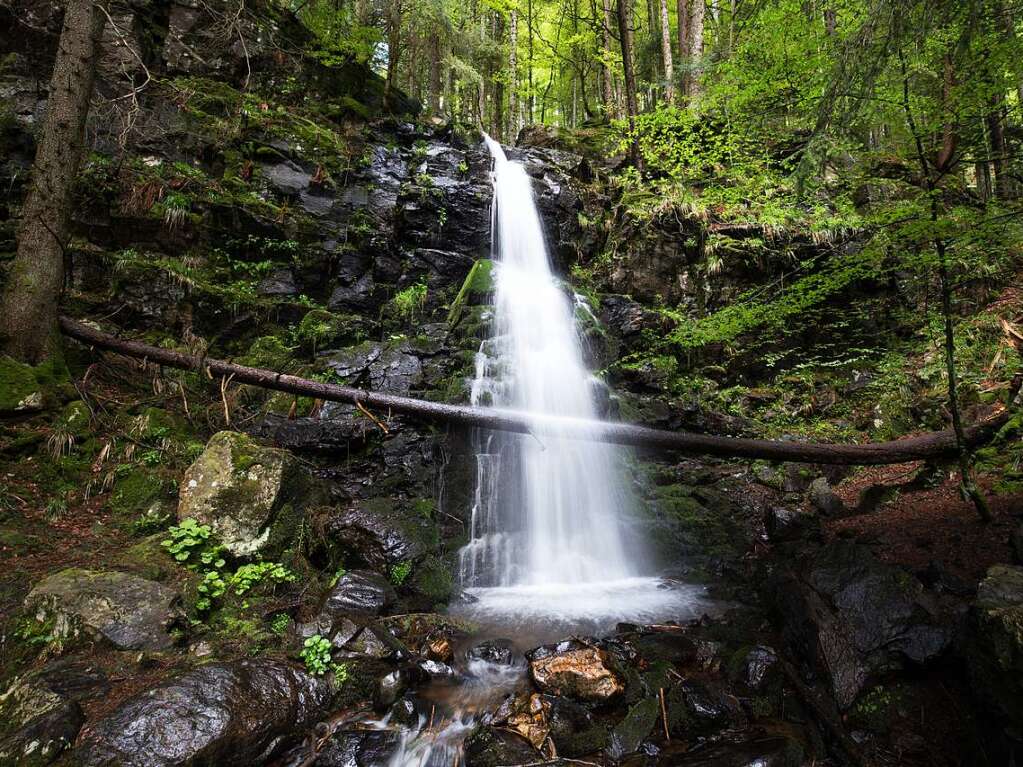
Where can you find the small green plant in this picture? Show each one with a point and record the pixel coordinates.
(463, 167)
(57, 508)
(410, 301)
(341, 671)
(400, 572)
(337, 576)
(210, 587)
(247, 576)
(316, 655)
(191, 543)
(280, 623)
(151, 457)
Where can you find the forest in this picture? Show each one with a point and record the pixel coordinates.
(481, 383)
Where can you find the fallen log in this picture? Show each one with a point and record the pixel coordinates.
(941, 444)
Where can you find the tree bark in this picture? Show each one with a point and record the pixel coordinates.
(696, 18)
(28, 308)
(631, 109)
(610, 100)
(393, 47)
(435, 73)
(682, 8)
(934, 445)
(669, 69)
(514, 118)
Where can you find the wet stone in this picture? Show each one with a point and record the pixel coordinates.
(493, 747)
(629, 734)
(499, 651)
(359, 592)
(757, 667)
(574, 670)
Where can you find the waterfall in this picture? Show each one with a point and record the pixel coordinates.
(548, 510)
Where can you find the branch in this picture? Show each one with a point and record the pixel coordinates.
(940, 444)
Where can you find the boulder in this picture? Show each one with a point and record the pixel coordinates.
(824, 499)
(240, 488)
(995, 642)
(629, 734)
(359, 592)
(853, 617)
(236, 713)
(492, 747)
(575, 670)
(379, 536)
(573, 728)
(758, 666)
(43, 738)
(746, 750)
(499, 652)
(129, 612)
(784, 524)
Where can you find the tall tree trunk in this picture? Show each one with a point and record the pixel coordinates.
(529, 60)
(393, 47)
(631, 109)
(669, 69)
(435, 73)
(498, 91)
(28, 310)
(999, 158)
(683, 10)
(514, 117)
(830, 19)
(696, 18)
(610, 100)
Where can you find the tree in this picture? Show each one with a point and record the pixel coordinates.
(669, 71)
(28, 327)
(631, 108)
(695, 51)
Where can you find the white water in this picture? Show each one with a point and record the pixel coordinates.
(551, 541)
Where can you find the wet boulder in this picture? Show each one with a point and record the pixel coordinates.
(573, 728)
(575, 670)
(995, 642)
(44, 737)
(359, 592)
(758, 666)
(129, 612)
(500, 652)
(493, 747)
(379, 535)
(852, 616)
(240, 489)
(236, 713)
(629, 734)
(744, 750)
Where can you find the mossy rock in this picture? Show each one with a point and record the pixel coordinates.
(75, 419)
(432, 579)
(138, 492)
(477, 289)
(319, 328)
(248, 494)
(149, 559)
(269, 352)
(24, 388)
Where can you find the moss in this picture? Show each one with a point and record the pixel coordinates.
(319, 328)
(24, 387)
(149, 560)
(433, 580)
(135, 493)
(477, 288)
(75, 419)
(268, 352)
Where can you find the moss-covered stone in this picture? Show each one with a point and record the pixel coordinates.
(137, 492)
(477, 289)
(269, 352)
(24, 387)
(75, 418)
(242, 490)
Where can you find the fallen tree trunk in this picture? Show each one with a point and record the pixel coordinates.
(940, 444)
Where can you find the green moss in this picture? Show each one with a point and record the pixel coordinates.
(135, 492)
(268, 352)
(320, 327)
(75, 419)
(477, 288)
(24, 387)
(433, 579)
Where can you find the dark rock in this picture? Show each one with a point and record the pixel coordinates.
(573, 729)
(359, 592)
(236, 713)
(280, 283)
(783, 524)
(378, 535)
(671, 646)
(852, 616)
(758, 666)
(1016, 543)
(750, 751)
(824, 498)
(391, 687)
(995, 642)
(629, 734)
(129, 612)
(497, 651)
(287, 178)
(574, 670)
(45, 737)
(709, 706)
(493, 747)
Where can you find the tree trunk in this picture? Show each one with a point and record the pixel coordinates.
(393, 47)
(529, 60)
(934, 445)
(610, 100)
(514, 118)
(999, 157)
(435, 73)
(28, 320)
(631, 110)
(669, 69)
(696, 52)
(682, 8)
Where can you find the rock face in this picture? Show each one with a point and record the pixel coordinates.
(575, 671)
(238, 488)
(226, 714)
(995, 642)
(129, 612)
(855, 617)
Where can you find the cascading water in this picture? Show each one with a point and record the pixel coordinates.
(550, 532)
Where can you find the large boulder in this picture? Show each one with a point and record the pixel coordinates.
(575, 670)
(131, 613)
(359, 592)
(855, 617)
(995, 642)
(226, 714)
(240, 489)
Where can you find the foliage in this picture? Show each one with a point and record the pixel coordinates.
(316, 655)
(400, 572)
(408, 303)
(192, 544)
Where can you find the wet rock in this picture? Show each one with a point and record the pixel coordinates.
(824, 499)
(493, 747)
(709, 706)
(391, 687)
(629, 734)
(359, 592)
(852, 616)
(498, 651)
(995, 642)
(785, 524)
(435, 670)
(758, 666)
(238, 488)
(378, 535)
(573, 729)
(236, 713)
(287, 178)
(280, 283)
(44, 738)
(129, 612)
(526, 714)
(574, 670)
(671, 646)
(380, 367)
(751, 751)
